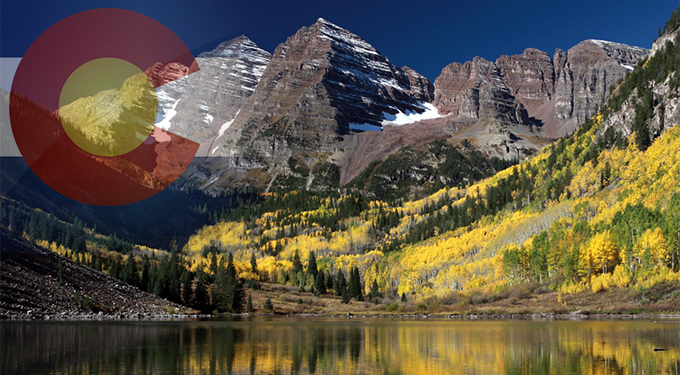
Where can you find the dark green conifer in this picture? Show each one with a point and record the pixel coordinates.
(253, 263)
(311, 265)
(130, 271)
(201, 301)
(297, 264)
(375, 289)
(249, 303)
(187, 281)
(320, 283)
(355, 285)
(145, 278)
(345, 296)
(340, 283)
(268, 306)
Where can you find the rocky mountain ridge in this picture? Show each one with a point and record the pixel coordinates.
(312, 98)
(554, 94)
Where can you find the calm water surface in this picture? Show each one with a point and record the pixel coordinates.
(340, 346)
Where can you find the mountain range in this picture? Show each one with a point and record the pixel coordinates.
(315, 100)
(327, 106)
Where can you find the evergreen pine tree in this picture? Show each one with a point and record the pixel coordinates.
(249, 303)
(175, 277)
(201, 302)
(97, 262)
(297, 264)
(355, 285)
(239, 299)
(31, 226)
(219, 289)
(187, 281)
(320, 284)
(330, 281)
(145, 278)
(403, 297)
(268, 306)
(311, 265)
(15, 222)
(340, 283)
(228, 293)
(115, 266)
(345, 296)
(375, 289)
(167, 278)
(213, 263)
(253, 264)
(236, 291)
(130, 271)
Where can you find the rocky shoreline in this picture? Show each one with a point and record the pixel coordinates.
(574, 316)
(99, 317)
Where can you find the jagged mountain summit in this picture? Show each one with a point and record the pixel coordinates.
(202, 105)
(321, 83)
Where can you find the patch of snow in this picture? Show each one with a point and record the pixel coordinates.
(365, 127)
(408, 117)
(628, 67)
(163, 120)
(212, 180)
(605, 43)
(208, 119)
(401, 118)
(214, 149)
(602, 43)
(226, 126)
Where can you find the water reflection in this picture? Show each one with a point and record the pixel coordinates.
(340, 346)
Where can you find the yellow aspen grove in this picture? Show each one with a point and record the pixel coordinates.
(603, 253)
(652, 250)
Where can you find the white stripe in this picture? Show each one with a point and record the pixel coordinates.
(8, 66)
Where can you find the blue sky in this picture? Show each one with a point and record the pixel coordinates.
(424, 35)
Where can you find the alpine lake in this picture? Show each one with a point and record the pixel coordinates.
(341, 345)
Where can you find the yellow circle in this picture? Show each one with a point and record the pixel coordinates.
(108, 107)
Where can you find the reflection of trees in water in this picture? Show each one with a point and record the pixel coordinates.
(295, 347)
(604, 348)
(355, 343)
(316, 348)
(82, 347)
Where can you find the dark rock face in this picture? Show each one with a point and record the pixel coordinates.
(586, 72)
(475, 90)
(558, 93)
(530, 77)
(421, 87)
(326, 78)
